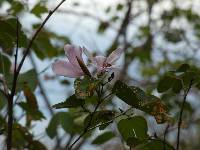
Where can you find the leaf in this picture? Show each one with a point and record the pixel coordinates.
(16, 7)
(27, 79)
(3, 100)
(99, 117)
(37, 145)
(177, 86)
(39, 9)
(103, 26)
(154, 145)
(8, 35)
(130, 95)
(133, 127)
(119, 7)
(85, 87)
(101, 139)
(65, 120)
(174, 35)
(70, 102)
(183, 68)
(138, 99)
(31, 99)
(5, 64)
(165, 83)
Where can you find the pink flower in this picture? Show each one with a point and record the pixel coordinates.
(105, 63)
(71, 68)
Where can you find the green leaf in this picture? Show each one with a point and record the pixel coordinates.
(133, 127)
(65, 120)
(37, 145)
(8, 35)
(16, 7)
(5, 64)
(154, 145)
(137, 98)
(165, 83)
(177, 86)
(3, 100)
(103, 26)
(99, 117)
(85, 87)
(174, 35)
(120, 7)
(70, 102)
(39, 9)
(27, 79)
(130, 95)
(183, 68)
(101, 139)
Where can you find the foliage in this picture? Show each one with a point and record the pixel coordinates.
(164, 48)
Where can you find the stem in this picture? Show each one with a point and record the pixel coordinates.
(181, 113)
(86, 128)
(16, 74)
(165, 134)
(11, 96)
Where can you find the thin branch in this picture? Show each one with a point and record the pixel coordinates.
(86, 128)
(165, 134)
(42, 90)
(11, 96)
(181, 113)
(110, 121)
(16, 74)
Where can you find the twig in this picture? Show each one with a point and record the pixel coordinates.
(181, 113)
(110, 121)
(165, 134)
(86, 128)
(11, 96)
(16, 74)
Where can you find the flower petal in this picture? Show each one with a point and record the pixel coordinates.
(72, 52)
(114, 56)
(66, 69)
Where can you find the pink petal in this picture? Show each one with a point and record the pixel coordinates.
(99, 61)
(72, 52)
(66, 69)
(114, 56)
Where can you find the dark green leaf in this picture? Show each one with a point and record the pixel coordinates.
(70, 102)
(154, 145)
(5, 64)
(103, 26)
(99, 117)
(120, 7)
(183, 68)
(177, 86)
(103, 138)
(8, 35)
(165, 83)
(137, 98)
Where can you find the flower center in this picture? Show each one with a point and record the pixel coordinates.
(105, 65)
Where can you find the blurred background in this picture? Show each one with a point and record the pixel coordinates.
(157, 36)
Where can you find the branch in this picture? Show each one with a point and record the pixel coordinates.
(11, 96)
(17, 71)
(86, 128)
(181, 113)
